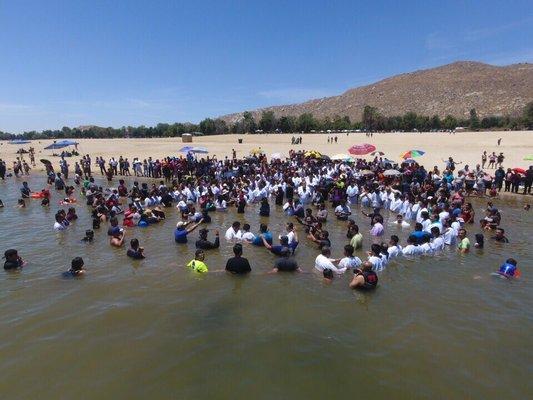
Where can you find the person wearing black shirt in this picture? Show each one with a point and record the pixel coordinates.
(205, 244)
(285, 263)
(136, 252)
(238, 264)
(13, 260)
(500, 236)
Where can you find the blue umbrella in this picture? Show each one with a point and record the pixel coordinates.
(201, 150)
(60, 144)
(19, 141)
(185, 149)
(67, 142)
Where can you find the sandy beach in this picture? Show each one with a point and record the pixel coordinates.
(464, 147)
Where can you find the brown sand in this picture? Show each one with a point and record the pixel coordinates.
(466, 146)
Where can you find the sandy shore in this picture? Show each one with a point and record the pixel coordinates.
(466, 147)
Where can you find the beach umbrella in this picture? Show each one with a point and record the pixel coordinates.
(340, 157)
(366, 172)
(185, 149)
(412, 154)
(529, 158)
(275, 156)
(519, 170)
(361, 149)
(19, 141)
(409, 161)
(377, 152)
(55, 146)
(45, 161)
(312, 154)
(256, 151)
(67, 142)
(201, 150)
(391, 172)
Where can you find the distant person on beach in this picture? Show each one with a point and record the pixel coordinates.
(499, 141)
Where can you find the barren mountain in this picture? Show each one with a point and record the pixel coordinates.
(450, 89)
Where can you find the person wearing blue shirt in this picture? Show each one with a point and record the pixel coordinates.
(263, 233)
(181, 232)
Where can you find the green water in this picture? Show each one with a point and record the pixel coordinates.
(437, 327)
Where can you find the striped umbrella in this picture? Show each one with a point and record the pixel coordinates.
(377, 152)
(412, 154)
(361, 149)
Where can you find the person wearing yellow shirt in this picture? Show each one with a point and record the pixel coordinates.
(198, 264)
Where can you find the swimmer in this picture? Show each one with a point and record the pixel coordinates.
(135, 251)
(527, 207)
(21, 203)
(480, 241)
(509, 269)
(464, 242)
(45, 202)
(89, 236)
(364, 278)
(76, 269)
(328, 275)
(13, 260)
(198, 264)
(204, 244)
(285, 263)
(117, 237)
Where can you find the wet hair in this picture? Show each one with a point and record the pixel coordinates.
(134, 243)
(198, 253)
(348, 250)
(284, 240)
(77, 264)
(326, 251)
(237, 249)
(395, 239)
(511, 261)
(263, 228)
(435, 231)
(328, 273)
(418, 226)
(236, 224)
(246, 227)
(480, 240)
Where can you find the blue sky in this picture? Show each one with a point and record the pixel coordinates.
(115, 63)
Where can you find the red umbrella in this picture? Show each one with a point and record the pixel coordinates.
(519, 170)
(360, 149)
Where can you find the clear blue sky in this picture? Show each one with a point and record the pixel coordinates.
(115, 63)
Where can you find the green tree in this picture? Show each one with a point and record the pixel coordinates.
(267, 122)
(370, 117)
(248, 122)
(449, 122)
(474, 120)
(287, 124)
(527, 116)
(306, 122)
(207, 126)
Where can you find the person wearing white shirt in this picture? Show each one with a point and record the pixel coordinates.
(400, 222)
(349, 261)
(425, 248)
(394, 249)
(323, 262)
(247, 236)
(396, 203)
(437, 244)
(234, 233)
(410, 249)
(374, 256)
(352, 191)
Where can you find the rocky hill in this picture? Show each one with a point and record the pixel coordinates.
(450, 89)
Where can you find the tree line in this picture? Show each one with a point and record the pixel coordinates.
(372, 120)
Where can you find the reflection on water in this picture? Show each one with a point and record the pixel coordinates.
(436, 327)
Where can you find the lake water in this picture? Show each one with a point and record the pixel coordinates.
(437, 327)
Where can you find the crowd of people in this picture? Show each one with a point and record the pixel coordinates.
(434, 203)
